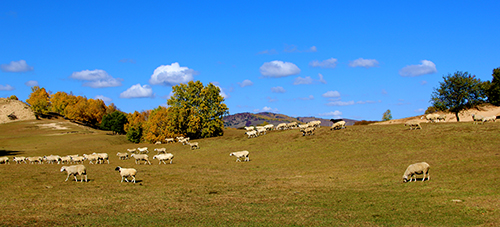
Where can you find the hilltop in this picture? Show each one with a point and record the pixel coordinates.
(14, 110)
(240, 120)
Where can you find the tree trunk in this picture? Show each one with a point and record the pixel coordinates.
(458, 119)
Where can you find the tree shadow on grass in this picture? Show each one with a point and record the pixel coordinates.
(7, 153)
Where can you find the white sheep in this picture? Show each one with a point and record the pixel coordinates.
(477, 119)
(291, 125)
(34, 159)
(133, 150)
(127, 172)
(431, 117)
(492, 118)
(160, 150)
(241, 154)
(78, 159)
(338, 125)
(164, 157)
(141, 157)
(93, 158)
(194, 145)
(158, 142)
(314, 124)
(170, 140)
(249, 128)
(251, 134)
(52, 158)
(143, 150)
(413, 124)
(19, 159)
(102, 157)
(4, 160)
(66, 159)
(414, 169)
(75, 170)
(441, 117)
(269, 127)
(122, 156)
(308, 131)
(281, 126)
(179, 138)
(261, 130)
(304, 126)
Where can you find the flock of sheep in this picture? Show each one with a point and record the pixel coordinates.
(306, 129)
(433, 118)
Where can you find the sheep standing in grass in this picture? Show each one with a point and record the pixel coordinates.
(164, 157)
(261, 131)
(160, 150)
(102, 157)
(34, 159)
(66, 159)
(308, 131)
(4, 160)
(93, 158)
(75, 170)
(431, 117)
(19, 159)
(251, 134)
(78, 159)
(51, 159)
(269, 127)
(143, 150)
(249, 128)
(133, 150)
(127, 172)
(141, 157)
(338, 125)
(170, 140)
(122, 156)
(241, 154)
(413, 125)
(477, 119)
(281, 126)
(492, 118)
(441, 117)
(414, 169)
(194, 145)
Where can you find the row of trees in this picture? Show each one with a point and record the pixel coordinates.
(461, 90)
(194, 111)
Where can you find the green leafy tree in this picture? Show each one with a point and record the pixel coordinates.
(134, 134)
(387, 116)
(39, 100)
(114, 122)
(458, 91)
(13, 97)
(135, 124)
(493, 88)
(196, 111)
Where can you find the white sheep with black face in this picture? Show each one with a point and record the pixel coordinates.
(4, 160)
(241, 155)
(414, 169)
(127, 172)
(75, 170)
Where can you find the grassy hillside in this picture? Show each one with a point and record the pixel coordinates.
(347, 177)
(241, 120)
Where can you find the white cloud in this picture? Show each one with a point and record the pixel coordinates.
(266, 109)
(137, 91)
(97, 78)
(331, 94)
(103, 98)
(340, 103)
(278, 89)
(6, 87)
(313, 49)
(335, 113)
(310, 97)
(171, 75)
(427, 67)
(279, 69)
(16, 67)
(367, 63)
(31, 83)
(328, 63)
(246, 83)
(300, 80)
(321, 80)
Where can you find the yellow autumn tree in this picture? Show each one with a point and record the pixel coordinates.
(155, 128)
(39, 100)
(134, 127)
(59, 101)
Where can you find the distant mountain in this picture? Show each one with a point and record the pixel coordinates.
(247, 119)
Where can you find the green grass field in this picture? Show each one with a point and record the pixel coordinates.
(349, 177)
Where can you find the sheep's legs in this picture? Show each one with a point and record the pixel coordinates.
(67, 178)
(133, 179)
(75, 178)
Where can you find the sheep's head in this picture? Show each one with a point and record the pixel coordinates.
(63, 168)
(118, 168)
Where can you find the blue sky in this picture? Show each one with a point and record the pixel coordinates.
(329, 59)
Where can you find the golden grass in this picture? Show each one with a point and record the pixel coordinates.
(347, 177)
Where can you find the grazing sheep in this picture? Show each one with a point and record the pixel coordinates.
(126, 172)
(304, 126)
(161, 150)
(291, 125)
(414, 169)
(441, 117)
(179, 138)
(75, 170)
(338, 125)
(143, 150)
(133, 150)
(164, 157)
(249, 128)
(477, 119)
(281, 126)
(184, 141)
(52, 158)
(269, 127)
(251, 134)
(122, 156)
(412, 124)
(431, 117)
(492, 118)
(78, 159)
(4, 160)
(158, 142)
(34, 159)
(170, 140)
(102, 157)
(93, 158)
(19, 159)
(66, 159)
(141, 157)
(261, 130)
(314, 124)
(308, 131)
(194, 145)
(241, 154)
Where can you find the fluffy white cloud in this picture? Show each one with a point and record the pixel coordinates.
(31, 83)
(279, 69)
(137, 91)
(266, 109)
(328, 63)
(335, 113)
(246, 83)
(331, 94)
(16, 67)
(97, 78)
(340, 103)
(367, 63)
(278, 89)
(300, 80)
(171, 75)
(103, 98)
(427, 67)
(321, 80)
(6, 87)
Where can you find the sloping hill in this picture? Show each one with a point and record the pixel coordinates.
(17, 110)
(247, 119)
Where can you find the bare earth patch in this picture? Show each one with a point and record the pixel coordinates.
(20, 110)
